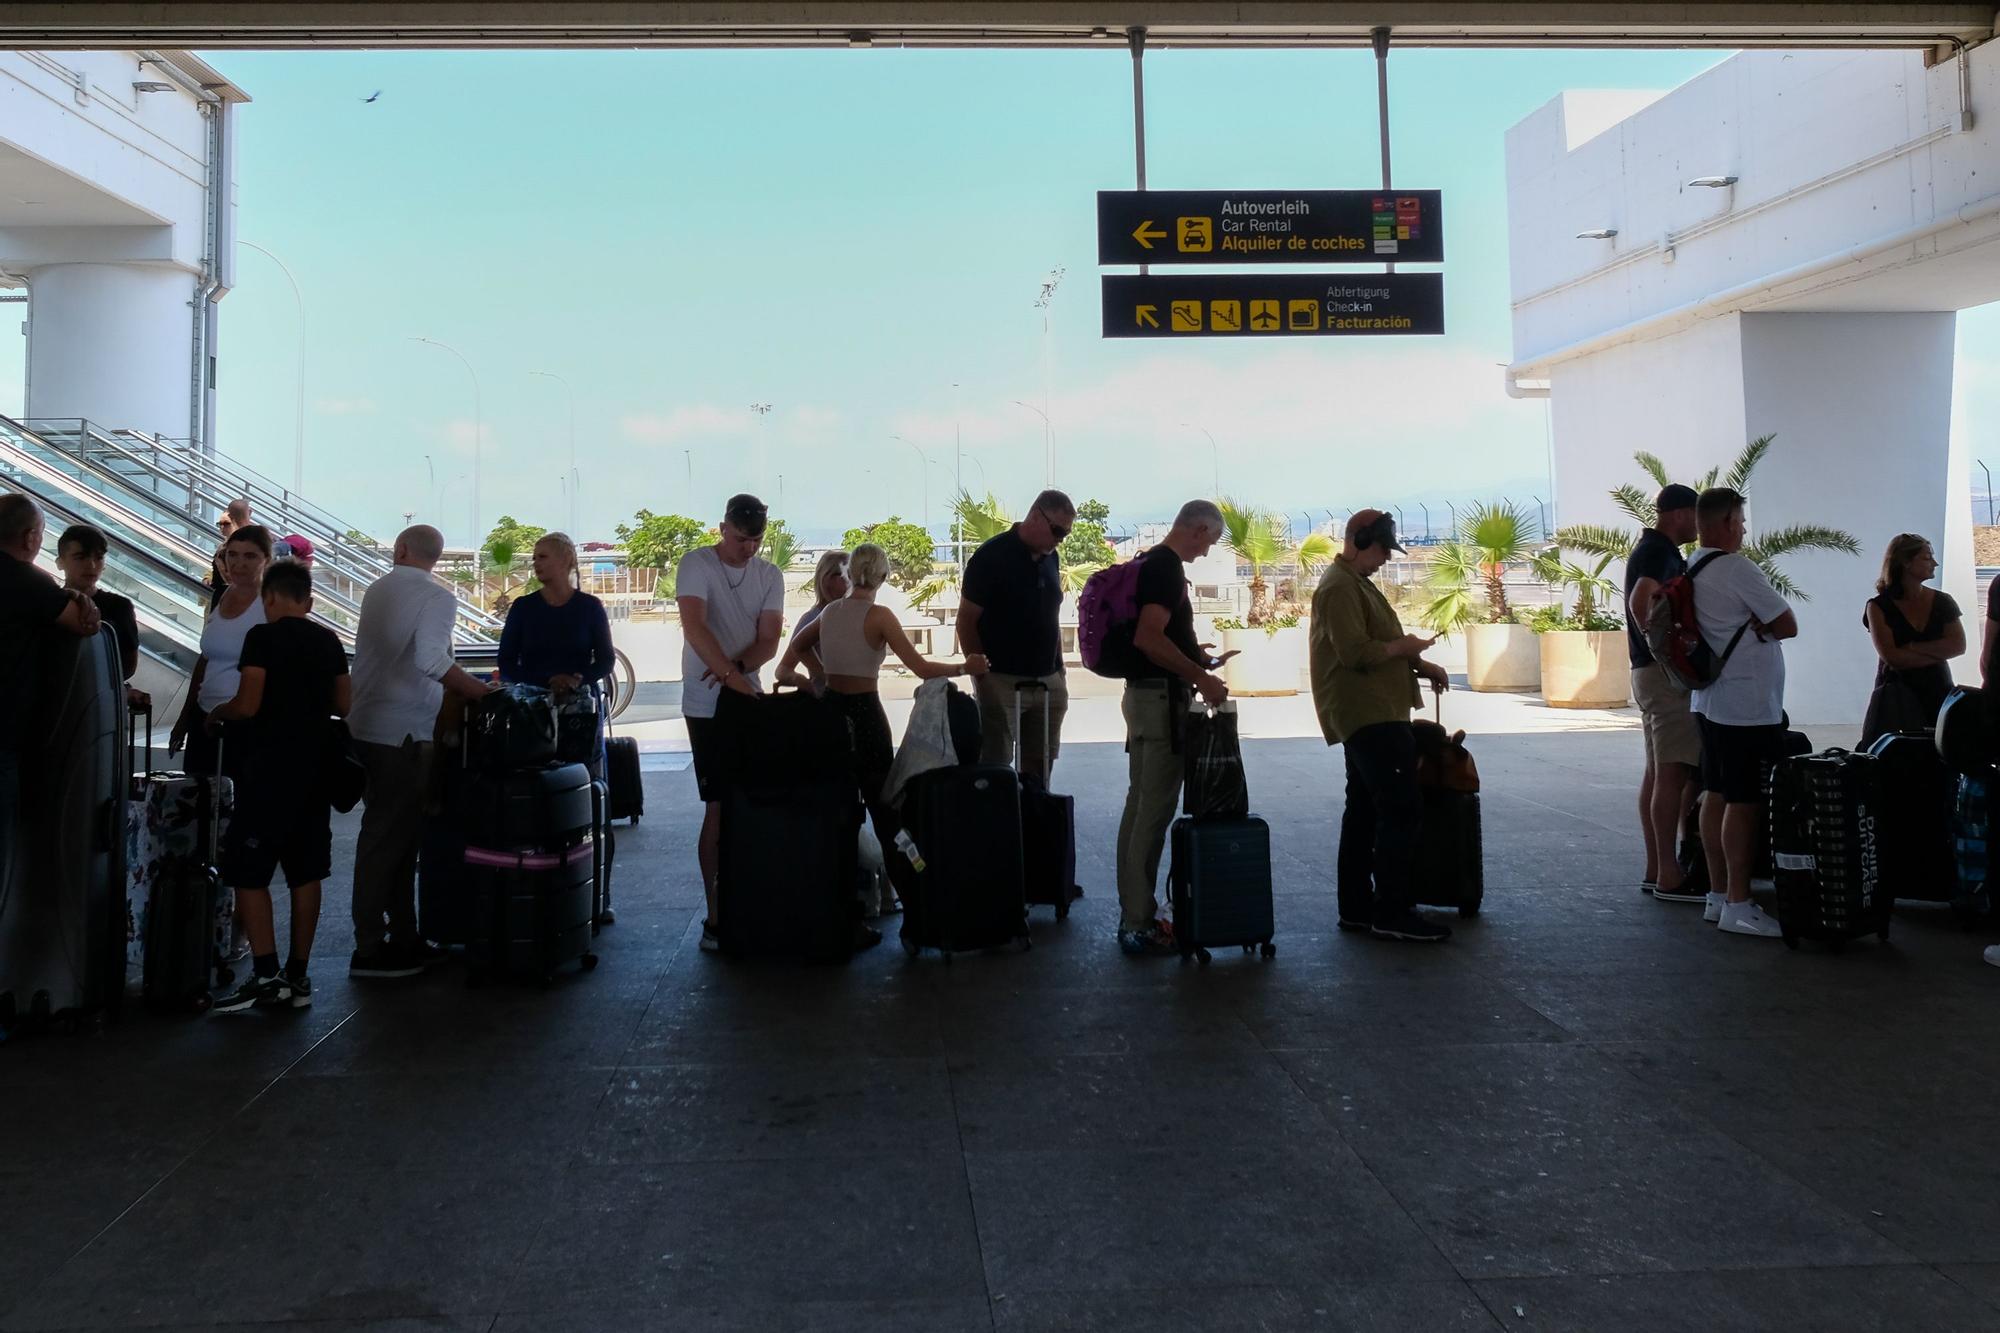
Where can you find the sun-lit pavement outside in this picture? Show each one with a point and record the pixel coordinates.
(1587, 1111)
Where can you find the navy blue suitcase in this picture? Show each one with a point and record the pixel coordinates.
(1220, 878)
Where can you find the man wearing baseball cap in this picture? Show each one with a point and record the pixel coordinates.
(1365, 671)
(1673, 739)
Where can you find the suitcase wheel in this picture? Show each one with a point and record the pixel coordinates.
(223, 976)
(1268, 949)
(202, 1003)
(634, 821)
(589, 962)
(1202, 957)
(1468, 909)
(910, 948)
(1883, 934)
(1062, 910)
(607, 917)
(1791, 940)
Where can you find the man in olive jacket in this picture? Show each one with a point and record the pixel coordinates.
(1365, 671)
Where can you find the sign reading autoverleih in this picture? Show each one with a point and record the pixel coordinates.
(1269, 227)
(1271, 305)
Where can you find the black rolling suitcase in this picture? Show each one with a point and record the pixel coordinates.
(1048, 826)
(790, 811)
(1791, 745)
(444, 905)
(1916, 793)
(182, 964)
(1220, 882)
(963, 889)
(1824, 819)
(1450, 860)
(607, 851)
(785, 885)
(527, 880)
(621, 773)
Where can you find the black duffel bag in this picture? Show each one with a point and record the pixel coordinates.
(509, 728)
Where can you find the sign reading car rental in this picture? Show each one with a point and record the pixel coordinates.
(1269, 227)
(1271, 305)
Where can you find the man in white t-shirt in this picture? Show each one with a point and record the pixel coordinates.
(1742, 713)
(732, 611)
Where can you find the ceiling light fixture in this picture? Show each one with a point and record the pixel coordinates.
(1712, 182)
(860, 39)
(152, 86)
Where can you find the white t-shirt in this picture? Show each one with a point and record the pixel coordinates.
(1750, 692)
(222, 646)
(735, 598)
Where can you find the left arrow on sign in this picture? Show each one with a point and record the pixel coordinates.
(1146, 233)
(1148, 316)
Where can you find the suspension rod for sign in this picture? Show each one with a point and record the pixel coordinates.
(1137, 36)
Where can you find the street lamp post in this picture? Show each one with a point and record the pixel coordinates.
(299, 411)
(1042, 303)
(573, 477)
(477, 562)
(1048, 441)
(763, 411)
(1214, 454)
(923, 474)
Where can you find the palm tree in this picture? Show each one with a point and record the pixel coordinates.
(1255, 536)
(1765, 552)
(974, 520)
(780, 546)
(1490, 538)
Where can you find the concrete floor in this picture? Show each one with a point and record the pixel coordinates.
(1586, 1112)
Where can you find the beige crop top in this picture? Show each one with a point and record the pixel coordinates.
(843, 643)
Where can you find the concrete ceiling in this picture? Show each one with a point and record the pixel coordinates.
(35, 194)
(212, 24)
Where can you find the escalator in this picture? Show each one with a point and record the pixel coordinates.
(155, 502)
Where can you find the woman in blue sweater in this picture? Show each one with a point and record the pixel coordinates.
(558, 637)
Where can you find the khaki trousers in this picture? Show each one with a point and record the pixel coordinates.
(1155, 768)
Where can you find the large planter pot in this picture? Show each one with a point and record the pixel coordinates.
(1265, 664)
(1584, 668)
(1501, 657)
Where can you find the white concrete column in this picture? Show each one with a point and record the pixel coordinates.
(113, 343)
(1861, 408)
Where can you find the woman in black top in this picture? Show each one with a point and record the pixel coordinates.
(1916, 631)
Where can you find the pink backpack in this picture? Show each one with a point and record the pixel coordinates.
(1107, 613)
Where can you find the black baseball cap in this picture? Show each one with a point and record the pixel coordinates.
(1675, 497)
(747, 514)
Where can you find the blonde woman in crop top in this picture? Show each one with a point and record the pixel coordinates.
(854, 636)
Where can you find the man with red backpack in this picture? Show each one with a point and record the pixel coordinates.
(1673, 740)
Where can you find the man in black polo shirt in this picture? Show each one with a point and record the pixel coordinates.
(1008, 606)
(31, 607)
(1673, 739)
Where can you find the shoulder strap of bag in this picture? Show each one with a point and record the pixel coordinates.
(1703, 563)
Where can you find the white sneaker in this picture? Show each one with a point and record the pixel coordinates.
(1713, 911)
(1749, 919)
(1993, 954)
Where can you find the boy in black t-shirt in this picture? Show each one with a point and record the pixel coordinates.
(80, 556)
(294, 683)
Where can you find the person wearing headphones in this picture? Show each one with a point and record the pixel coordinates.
(1365, 674)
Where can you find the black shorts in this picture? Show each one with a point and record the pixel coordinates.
(702, 739)
(295, 833)
(1733, 759)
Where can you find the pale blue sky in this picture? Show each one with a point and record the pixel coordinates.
(846, 235)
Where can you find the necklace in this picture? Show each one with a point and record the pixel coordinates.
(738, 582)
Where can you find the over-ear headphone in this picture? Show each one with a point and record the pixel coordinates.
(1379, 533)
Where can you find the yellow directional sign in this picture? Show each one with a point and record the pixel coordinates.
(1187, 317)
(1146, 233)
(1147, 316)
(1225, 316)
(1264, 316)
(1302, 316)
(1278, 305)
(1194, 236)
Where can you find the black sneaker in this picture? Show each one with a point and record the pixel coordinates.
(390, 962)
(255, 993)
(1410, 926)
(301, 988)
(1351, 923)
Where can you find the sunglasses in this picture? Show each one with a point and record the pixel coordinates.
(1056, 530)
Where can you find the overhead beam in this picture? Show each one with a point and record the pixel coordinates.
(218, 24)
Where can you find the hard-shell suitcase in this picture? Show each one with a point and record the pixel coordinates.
(961, 875)
(1824, 823)
(1451, 856)
(523, 807)
(1965, 732)
(1915, 795)
(786, 736)
(785, 883)
(60, 947)
(621, 772)
(444, 903)
(1048, 825)
(1971, 827)
(1220, 879)
(531, 910)
(1788, 746)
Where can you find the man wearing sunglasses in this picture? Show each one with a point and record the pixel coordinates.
(1008, 605)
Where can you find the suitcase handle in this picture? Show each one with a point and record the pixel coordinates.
(1021, 741)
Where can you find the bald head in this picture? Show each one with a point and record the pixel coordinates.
(20, 527)
(419, 546)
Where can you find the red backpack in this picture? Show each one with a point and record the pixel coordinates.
(1674, 636)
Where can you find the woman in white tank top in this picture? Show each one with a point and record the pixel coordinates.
(245, 556)
(853, 637)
